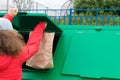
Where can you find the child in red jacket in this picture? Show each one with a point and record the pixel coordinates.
(13, 50)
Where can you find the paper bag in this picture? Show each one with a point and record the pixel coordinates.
(43, 59)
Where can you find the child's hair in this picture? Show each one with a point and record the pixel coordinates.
(11, 42)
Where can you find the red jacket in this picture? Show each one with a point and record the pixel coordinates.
(11, 68)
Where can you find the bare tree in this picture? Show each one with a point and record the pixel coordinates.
(23, 4)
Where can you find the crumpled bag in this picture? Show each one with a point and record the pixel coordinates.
(43, 59)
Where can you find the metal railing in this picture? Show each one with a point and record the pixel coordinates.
(89, 19)
(68, 16)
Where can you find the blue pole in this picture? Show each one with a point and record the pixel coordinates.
(97, 17)
(70, 17)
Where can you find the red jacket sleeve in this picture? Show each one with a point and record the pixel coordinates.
(33, 43)
(9, 17)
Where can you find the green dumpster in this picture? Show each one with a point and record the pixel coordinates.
(80, 52)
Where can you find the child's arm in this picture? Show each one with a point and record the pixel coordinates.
(33, 42)
(9, 17)
(12, 12)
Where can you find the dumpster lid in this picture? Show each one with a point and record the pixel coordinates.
(93, 54)
(27, 21)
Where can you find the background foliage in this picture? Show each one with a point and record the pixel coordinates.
(95, 4)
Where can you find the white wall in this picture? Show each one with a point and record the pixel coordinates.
(52, 4)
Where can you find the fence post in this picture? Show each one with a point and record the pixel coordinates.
(97, 16)
(70, 17)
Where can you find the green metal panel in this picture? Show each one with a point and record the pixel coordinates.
(94, 54)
